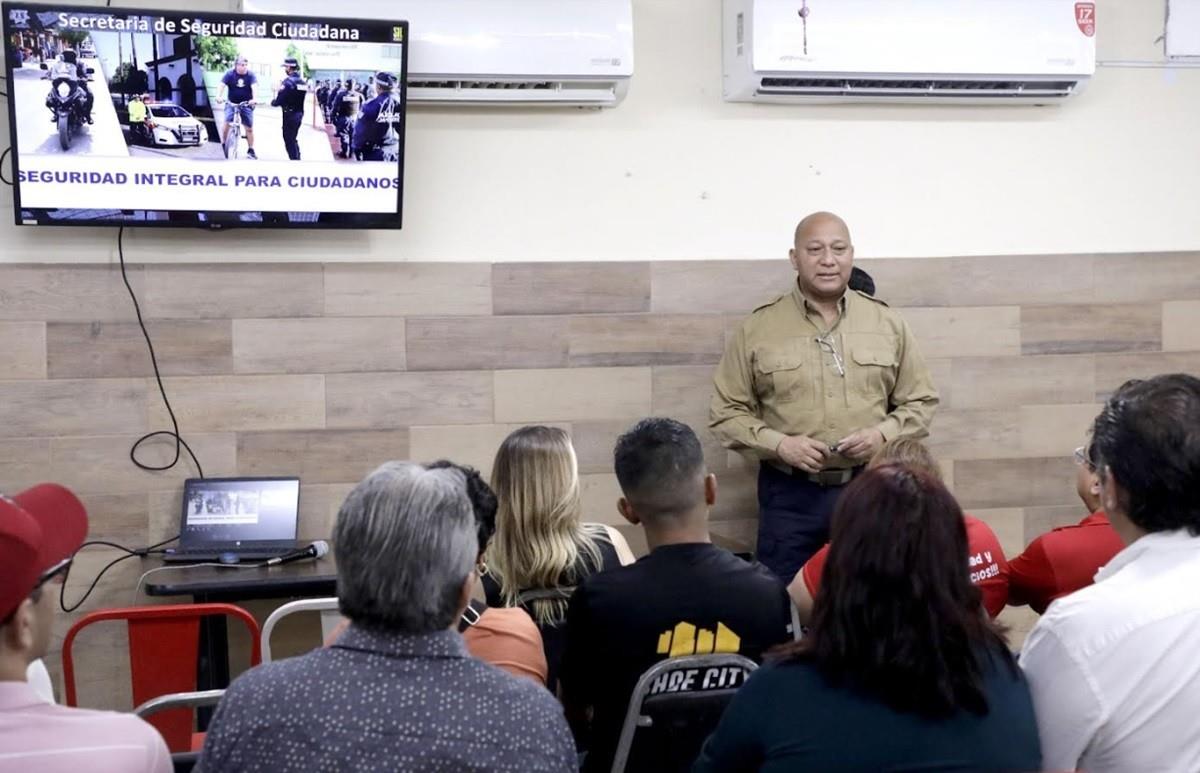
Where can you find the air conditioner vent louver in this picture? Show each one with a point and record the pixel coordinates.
(876, 87)
(476, 84)
(513, 91)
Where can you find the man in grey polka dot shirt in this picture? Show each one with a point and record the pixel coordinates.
(397, 691)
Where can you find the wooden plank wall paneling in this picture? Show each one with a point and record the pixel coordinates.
(328, 370)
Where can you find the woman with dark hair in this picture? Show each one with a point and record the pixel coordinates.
(901, 669)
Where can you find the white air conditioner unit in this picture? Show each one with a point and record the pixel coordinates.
(501, 52)
(961, 51)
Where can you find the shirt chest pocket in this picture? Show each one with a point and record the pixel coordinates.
(782, 376)
(873, 374)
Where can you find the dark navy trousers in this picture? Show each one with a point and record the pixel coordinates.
(793, 519)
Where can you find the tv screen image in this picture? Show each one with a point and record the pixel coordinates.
(146, 117)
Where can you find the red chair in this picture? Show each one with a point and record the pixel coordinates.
(163, 654)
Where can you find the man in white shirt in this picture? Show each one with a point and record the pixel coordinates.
(1114, 667)
(40, 530)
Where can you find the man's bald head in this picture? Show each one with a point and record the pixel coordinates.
(823, 256)
(819, 219)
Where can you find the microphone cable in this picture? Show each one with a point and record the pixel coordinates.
(154, 549)
(320, 549)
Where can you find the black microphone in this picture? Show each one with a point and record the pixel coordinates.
(315, 550)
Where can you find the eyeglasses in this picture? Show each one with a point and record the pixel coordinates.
(826, 344)
(1082, 459)
(58, 570)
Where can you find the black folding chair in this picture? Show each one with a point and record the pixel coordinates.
(674, 707)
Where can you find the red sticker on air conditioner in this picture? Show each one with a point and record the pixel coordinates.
(1085, 18)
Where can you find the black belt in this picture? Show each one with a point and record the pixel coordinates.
(834, 477)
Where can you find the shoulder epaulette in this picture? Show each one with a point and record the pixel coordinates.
(771, 302)
(871, 298)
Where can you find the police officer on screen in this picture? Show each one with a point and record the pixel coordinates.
(323, 99)
(346, 106)
(377, 133)
(290, 99)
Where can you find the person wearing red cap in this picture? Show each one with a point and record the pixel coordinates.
(40, 530)
(985, 556)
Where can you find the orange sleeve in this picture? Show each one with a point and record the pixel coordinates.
(508, 639)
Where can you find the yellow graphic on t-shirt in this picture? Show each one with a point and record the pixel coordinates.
(686, 639)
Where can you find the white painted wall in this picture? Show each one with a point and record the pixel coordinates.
(676, 173)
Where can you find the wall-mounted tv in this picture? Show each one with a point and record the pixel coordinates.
(143, 117)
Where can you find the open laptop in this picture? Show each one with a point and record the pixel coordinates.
(252, 519)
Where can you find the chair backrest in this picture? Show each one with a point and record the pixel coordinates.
(328, 607)
(164, 643)
(673, 709)
(182, 700)
(179, 700)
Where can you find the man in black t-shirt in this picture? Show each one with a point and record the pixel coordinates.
(686, 597)
(241, 87)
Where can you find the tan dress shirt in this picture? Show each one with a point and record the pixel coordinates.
(776, 379)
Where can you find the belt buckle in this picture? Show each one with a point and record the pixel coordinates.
(832, 477)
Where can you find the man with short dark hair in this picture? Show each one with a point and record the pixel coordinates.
(242, 87)
(686, 597)
(1113, 668)
(397, 691)
(40, 530)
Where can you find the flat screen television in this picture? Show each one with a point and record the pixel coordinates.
(125, 116)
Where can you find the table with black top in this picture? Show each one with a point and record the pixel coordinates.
(211, 584)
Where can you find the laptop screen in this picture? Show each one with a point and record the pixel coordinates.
(239, 510)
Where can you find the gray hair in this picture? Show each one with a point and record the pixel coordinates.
(405, 543)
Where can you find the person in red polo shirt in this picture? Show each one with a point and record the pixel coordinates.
(1066, 559)
(985, 559)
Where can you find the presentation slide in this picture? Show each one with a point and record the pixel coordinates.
(133, 115)
(242, 510)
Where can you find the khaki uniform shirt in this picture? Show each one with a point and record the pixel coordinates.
(776, 379)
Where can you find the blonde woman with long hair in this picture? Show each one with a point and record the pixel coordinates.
(542, 548)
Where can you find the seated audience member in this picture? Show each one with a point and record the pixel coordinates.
(900, 670)
(542, 549)
(985, 558)
(1113, 667)
(1067, 558)
(624, 620)
(506, 638)
(40, 530)
(398, 690)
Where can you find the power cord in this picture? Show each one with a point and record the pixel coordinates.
(129, 553)
(138, 588)
(3, 156)
(174, 431)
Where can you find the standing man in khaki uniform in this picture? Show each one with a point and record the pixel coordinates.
(812, 385)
